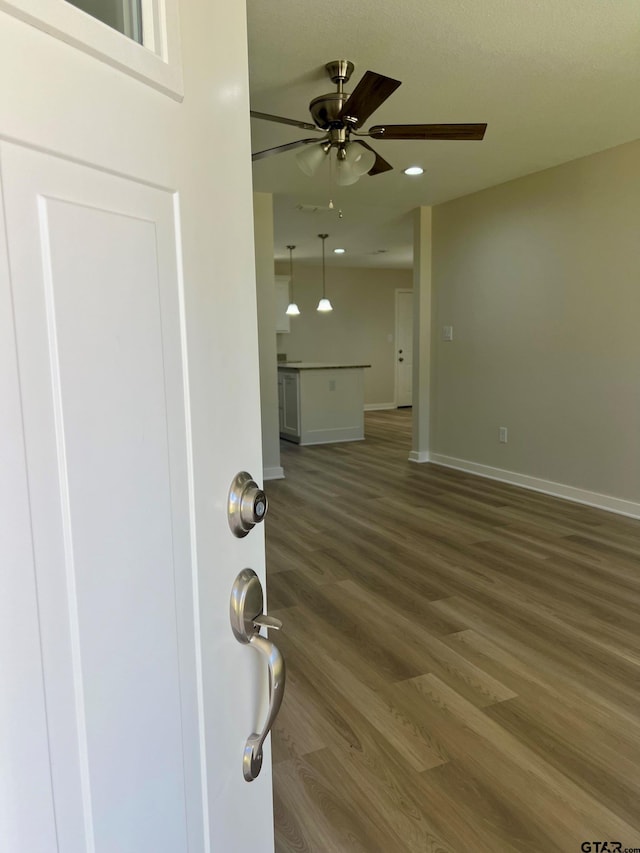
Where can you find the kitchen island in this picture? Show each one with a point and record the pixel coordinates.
(321, 403)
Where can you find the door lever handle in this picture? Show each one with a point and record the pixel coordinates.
(252, 758)
(247, 617)
(265, 621)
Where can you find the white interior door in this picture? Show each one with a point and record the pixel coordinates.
(125, 281)
(404, 347)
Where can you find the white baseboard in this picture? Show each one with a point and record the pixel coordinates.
(378, 407)
(276, 473)
(420, 456)
(331, 435)
(536, 484)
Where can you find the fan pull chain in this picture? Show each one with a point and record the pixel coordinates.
(330, 178)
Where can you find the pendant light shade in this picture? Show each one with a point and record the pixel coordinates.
(324, 305)
(292, 308)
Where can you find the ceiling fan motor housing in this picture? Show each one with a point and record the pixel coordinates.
(325, 109)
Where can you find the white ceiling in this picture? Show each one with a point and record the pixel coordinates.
(554, 80)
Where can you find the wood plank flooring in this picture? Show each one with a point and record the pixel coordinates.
(463, 658)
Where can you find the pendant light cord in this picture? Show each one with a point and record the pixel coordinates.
(291, 248)
(323, 237)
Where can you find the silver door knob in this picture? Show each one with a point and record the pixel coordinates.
(247, 504)
(247, 602)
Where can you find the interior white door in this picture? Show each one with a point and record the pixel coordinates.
(404, 347)
(125, 282)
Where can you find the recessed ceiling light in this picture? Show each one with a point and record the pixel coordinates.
(414, 170)
(339, 251)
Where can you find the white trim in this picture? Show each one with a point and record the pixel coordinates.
(420, 456)
(276, 473)
(537, 484)
(157, 63)
(378, 407)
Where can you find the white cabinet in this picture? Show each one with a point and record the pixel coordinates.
(282, 301)
(289, 404)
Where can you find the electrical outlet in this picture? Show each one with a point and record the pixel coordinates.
(332, 385)
(504, 436)
(447, 333)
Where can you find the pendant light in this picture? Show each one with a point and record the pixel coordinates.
(292, 308)
(324, 305)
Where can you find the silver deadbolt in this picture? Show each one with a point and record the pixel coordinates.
(247, 504)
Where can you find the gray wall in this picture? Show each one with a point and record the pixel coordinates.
(361, 328)
(540, 278)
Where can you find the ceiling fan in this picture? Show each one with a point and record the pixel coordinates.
(339, 116)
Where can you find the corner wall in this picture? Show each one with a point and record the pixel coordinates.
(361, 328)
(266, 302)
(540, 279)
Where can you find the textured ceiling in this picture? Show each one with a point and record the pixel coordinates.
(554, 80)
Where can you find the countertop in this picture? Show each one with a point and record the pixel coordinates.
(311, 365)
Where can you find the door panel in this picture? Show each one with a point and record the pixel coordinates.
(93, 264)
(404, 347)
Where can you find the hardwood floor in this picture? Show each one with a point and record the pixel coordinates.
(463, 658)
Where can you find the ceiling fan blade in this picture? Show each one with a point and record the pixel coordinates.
(372, 90)
(428, 131)
(304, 125)
(279, 149)
(380, 165)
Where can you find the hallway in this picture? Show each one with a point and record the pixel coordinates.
(463, 658)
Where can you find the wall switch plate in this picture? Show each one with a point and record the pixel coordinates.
(447, 333)
(332, 385)
(504, 435)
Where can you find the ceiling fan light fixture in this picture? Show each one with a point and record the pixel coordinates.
(354, 161)
(312, 157)
(413, 170)
(345, 175)
(360, 158)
